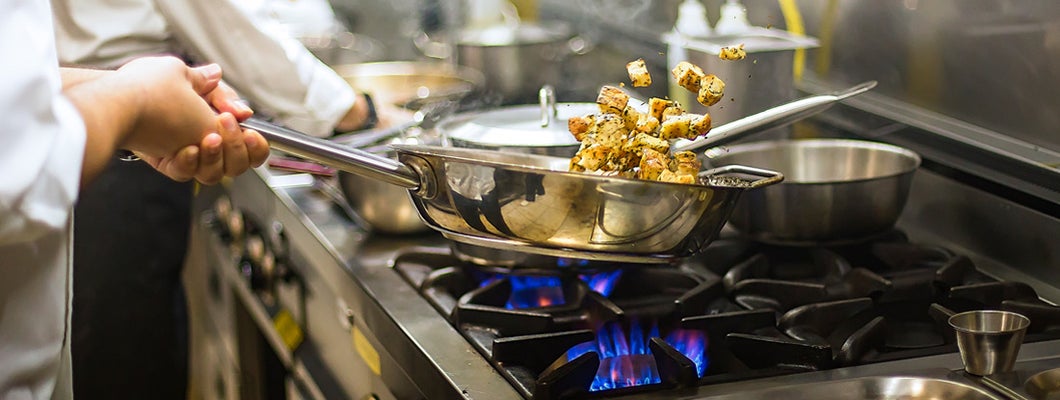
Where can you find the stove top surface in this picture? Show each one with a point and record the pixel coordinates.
(738, 311)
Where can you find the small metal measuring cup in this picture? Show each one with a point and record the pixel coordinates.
(989, 340)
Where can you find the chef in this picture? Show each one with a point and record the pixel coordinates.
(57, 131)
(132, 227)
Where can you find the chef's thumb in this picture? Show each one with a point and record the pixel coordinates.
(205, 79)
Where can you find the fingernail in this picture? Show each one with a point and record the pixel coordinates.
(242, 105)
(210, 71)
(251, 141)
(212, 144)
(229, 122)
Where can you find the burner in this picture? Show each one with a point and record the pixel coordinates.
(627, 361)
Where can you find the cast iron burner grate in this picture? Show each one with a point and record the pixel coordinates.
(739, 311)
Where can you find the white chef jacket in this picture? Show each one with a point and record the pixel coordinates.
(42, 142)
(267, 66)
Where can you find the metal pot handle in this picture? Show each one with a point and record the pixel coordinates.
(774, 117)
(335, 155)
(547, 97)
(769, 176)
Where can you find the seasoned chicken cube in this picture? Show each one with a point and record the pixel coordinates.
(700, 124)
(630, 115)
(673, 177)
(593, 157)
(647, 124)
(711, 90)
(580, 126)
(676, 127)
(641, 141)
(638, 73)
(652, 164)
(732, 53)
(612, 100)
(688, 75)
(656, 106)
(686, 163)
(610, 130)
(673, 110)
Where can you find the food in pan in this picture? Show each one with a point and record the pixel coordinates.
(638, 73)
(732, 53)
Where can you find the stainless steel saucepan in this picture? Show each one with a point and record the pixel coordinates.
(837, 190)
(531, 203)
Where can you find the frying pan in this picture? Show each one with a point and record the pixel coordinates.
(531, 203)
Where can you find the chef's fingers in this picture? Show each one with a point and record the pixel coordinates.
(235, 149)
(257, 147)
(180, 167)
(225, 99)
(205, 79)
(211, 162)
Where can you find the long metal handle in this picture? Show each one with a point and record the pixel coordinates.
(772, 118)
(335, 155)
(769, 176)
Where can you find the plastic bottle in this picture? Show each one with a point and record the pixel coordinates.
(733, 19)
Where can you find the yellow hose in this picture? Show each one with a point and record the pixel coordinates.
(793, 19)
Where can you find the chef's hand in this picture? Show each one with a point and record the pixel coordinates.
(229, 152)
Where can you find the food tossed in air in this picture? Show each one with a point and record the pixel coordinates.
(709, 89)
(638, 73)
(623, 140)
(732, 53)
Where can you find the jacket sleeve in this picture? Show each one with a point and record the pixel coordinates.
(42, 136)
(268, 67)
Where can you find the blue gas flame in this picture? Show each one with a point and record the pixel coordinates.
(604, 282)
(627, 361)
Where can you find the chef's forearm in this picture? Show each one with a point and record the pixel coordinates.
(73, 76)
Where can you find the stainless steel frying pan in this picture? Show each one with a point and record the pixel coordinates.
(532, 204)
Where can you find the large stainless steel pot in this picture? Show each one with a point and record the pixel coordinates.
(516, 58)
(835, 190)
(531, 203)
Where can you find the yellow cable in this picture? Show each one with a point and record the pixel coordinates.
(793, 19)
(826, 36)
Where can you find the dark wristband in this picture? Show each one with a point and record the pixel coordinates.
(373, 117)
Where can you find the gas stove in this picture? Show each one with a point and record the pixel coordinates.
(739, 311)
(410, 317)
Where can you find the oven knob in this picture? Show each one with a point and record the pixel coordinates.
(225, 220)
(278, 240)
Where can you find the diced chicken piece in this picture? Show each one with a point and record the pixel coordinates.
(711, 90)
(593, 157)
(656, 106)
(622, 161)
(646, 124)
(732, 53)
(700, 124)
(630, 115)
(612, 100)
(610, 130)
(580, 126)
(641, 141)
(638, 73)
(688, 75)
(652, 164)
(686, 163)
(673, 177)
(673, 110)
(676, 127)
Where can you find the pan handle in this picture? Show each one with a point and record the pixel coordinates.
(335, 155)
(774, 117)
(769, 176)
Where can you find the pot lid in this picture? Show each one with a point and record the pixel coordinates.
(517, 126)
(514, 34)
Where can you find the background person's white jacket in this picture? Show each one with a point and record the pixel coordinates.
(260, 60)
